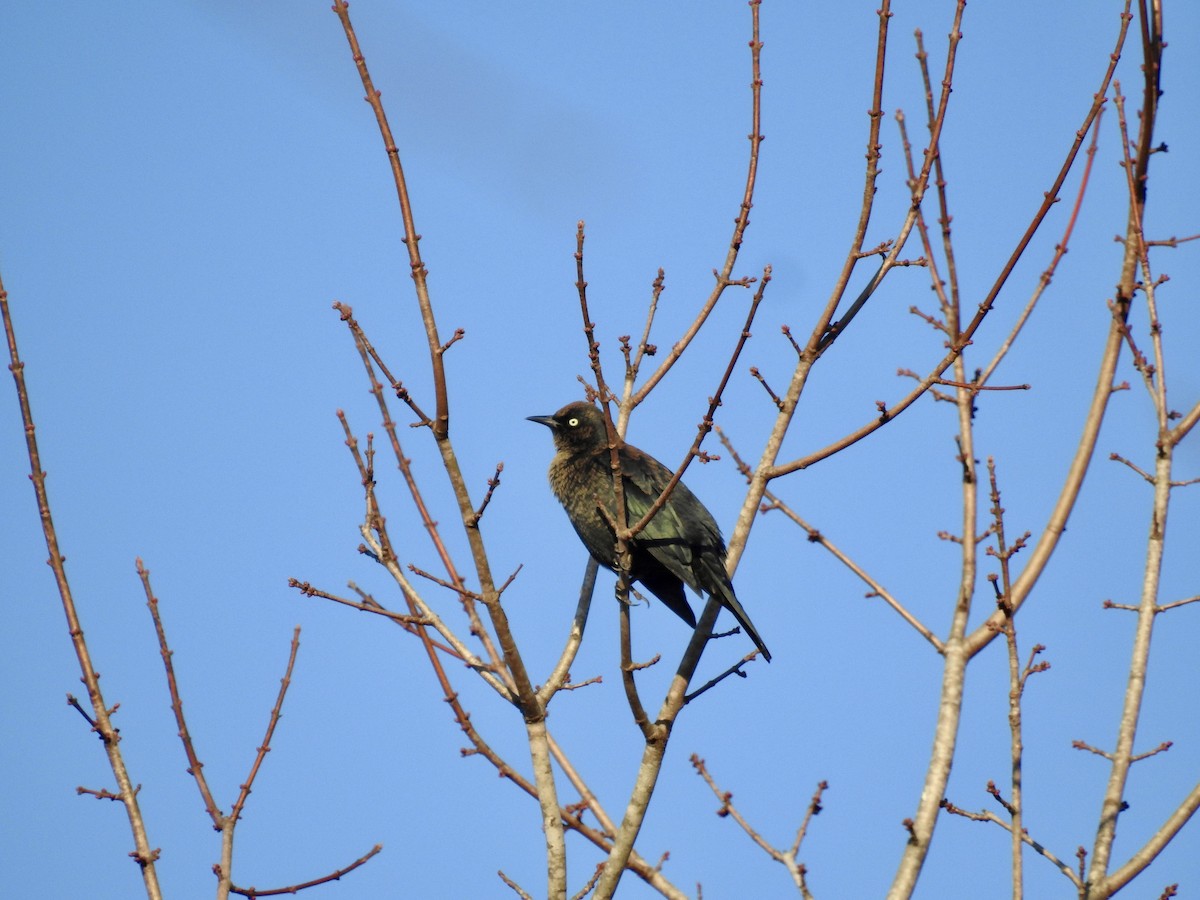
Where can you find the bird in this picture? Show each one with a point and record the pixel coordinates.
(680, 545)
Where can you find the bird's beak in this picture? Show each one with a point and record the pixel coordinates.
(548, 421)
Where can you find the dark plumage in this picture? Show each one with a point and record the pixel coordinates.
(680, 545)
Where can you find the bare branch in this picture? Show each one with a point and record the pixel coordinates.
(144, 855)
(296, 888)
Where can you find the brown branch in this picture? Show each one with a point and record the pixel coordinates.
(374, 532)
(517, 682)
(655, 750)
(365, 345)
(1048, 541)
(1169, 242)
(371, 606)
(1135, 258)
(644, 347)
(493, 483)
(1177, 603)
(1083, 745)
(103, 794)
(787, 858)
(369, 356)
(1161, 748)
(650, 731)
(296, 888)
(441, 423)
(817, 537)
(989, 816)
(989, 300)
(766, 387)
(974, 387)
(265, 747)
(939, 179)
(723, 277)
(195, 766)
(949, 308)
(1017, 679)
(1060, 250)
(1116, 457)
(824, 333)
(589, 884)
(144, 854)
(515, 887)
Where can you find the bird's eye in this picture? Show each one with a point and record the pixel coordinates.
(572, 421)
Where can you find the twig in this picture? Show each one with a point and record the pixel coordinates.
(195, 766)
(265, 747)
(654, 751)
(296, 888)
(817, 537)
(968, 332)
(1060, 250)
(735, 669)
(441, 423)
(1116, 457)
(372, 607)
(788, 858)
(644, 347)
(515, 887)
(361, 341)
(143, 854)
(591, 883)
(493, 483)
(989, 816)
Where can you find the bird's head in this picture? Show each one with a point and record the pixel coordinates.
(576, 427)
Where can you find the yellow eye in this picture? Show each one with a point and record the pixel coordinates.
(572, 421)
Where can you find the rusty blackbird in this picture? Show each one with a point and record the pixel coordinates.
(680, 545)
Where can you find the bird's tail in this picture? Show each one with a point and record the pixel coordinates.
(729, 600)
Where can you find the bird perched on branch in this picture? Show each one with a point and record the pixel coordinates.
(680, 545)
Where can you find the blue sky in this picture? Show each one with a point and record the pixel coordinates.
(188, 187)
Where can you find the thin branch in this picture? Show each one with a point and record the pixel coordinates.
(516, 888)
(265, 747)
(144, 854)
(735, 669)
(774, 471)
(1060, 250)
(706, 424)
(195, 766)
(493, 483)
(1177, 603)
(360, 339)
(1116, 457)
(723, 277)
(591, 883)
(296, 888)
(817, 537)
(370, 359)
(1137, 168)
(989, 816)
(441, 423)
(644, 347)
(372, 607)
(787, 858)
(1048, 541)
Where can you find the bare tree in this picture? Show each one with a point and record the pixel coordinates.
(460, 613)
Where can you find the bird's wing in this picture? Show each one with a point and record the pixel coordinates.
(682, 536)
(680, 530)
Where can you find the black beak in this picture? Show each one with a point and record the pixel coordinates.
(548, 421)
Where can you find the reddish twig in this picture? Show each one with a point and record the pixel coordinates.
(296, 888)
(144, 854)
